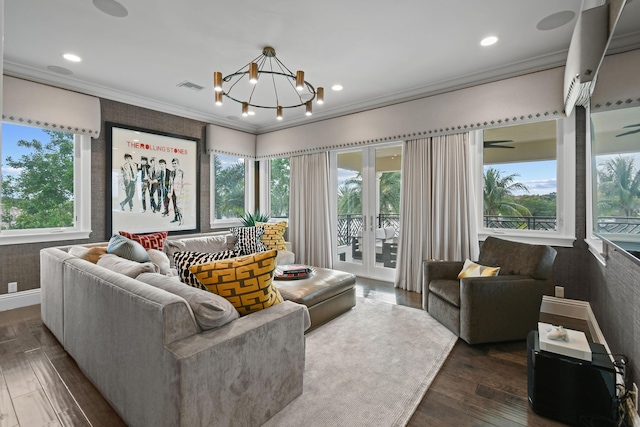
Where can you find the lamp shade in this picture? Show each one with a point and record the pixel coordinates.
(217, 81)
(253, 73)
(320, 95)
(300, 80)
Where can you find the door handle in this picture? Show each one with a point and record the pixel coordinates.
(371, 222)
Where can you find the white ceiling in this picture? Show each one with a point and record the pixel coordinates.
(382, 52)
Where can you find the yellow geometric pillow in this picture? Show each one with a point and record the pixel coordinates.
(246, 282)
(273, 237)
(471, 269)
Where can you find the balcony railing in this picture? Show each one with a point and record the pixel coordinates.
(350, 226)
(546, 223)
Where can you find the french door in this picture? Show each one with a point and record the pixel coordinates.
(366, 209)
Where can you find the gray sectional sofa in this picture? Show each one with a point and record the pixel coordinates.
(143, 349)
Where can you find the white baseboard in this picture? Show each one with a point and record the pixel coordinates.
(582, 310)
(19, 299)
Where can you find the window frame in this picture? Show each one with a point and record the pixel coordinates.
(249, 191)
(564, 235)
(265, 187)
(81, 201)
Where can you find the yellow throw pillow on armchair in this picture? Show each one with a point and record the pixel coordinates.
(273, 237)
(471, 269)
(246, 282)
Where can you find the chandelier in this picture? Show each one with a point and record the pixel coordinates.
(280, 88)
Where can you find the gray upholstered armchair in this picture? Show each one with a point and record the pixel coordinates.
(490, 309)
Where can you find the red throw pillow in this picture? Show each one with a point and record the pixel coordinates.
(148, 241)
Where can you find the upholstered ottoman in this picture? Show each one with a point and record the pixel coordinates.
(327, 293)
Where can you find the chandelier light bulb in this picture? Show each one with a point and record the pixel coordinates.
(320, 95)
(217, 81)
(253, 73)
(300, 80)
(280, 82)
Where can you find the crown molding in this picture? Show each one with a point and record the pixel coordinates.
(514, 69)
(70, 83)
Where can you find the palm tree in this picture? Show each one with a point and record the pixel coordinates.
(498, 194)
(390, 193)
(350, 197)
(619, 186)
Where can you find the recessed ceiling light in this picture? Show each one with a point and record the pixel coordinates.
(488, 41)
(336, 87)
(111, 7)
(71, 57)
(252, 113)
(59, 70)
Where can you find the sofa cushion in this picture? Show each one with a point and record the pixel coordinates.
(273, 237)
(127, 248)
(88, 254)
(125, 266)
(471, 269)
(148, 241)
(160, 259)
(448, 290)
(248, 240)
(184, 260)
(247, 282)
(210, 310)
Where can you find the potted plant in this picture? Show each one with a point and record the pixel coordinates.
(249, 219)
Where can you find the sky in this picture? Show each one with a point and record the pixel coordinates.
(11, 134)
(539, 177)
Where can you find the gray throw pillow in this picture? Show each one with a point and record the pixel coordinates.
(125, 266)
(127, 248)
(210, 310)
(160, 259)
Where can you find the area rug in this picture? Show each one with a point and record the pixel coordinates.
(370, 366)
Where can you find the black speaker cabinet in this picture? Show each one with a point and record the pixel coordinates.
(565, 388)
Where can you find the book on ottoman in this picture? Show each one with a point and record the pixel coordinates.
(292, 271)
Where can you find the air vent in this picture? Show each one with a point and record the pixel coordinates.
(190, 85)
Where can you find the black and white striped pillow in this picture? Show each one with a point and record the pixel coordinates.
(248, 240)
(185, 259)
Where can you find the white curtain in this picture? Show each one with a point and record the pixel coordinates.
(438, 210)
(309, 218)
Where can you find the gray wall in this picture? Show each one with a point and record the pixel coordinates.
(615, 300)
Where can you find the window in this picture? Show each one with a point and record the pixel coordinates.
(45, 185)
(615, 176)
(279, 188)
(524, 195)
(232, 187)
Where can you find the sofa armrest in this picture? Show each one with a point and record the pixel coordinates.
(437, 270)
(500, 308)
(251, 368)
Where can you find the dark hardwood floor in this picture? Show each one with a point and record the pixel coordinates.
(41, 385)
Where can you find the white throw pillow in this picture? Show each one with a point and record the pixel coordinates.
(125, 266)
(160, 259)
